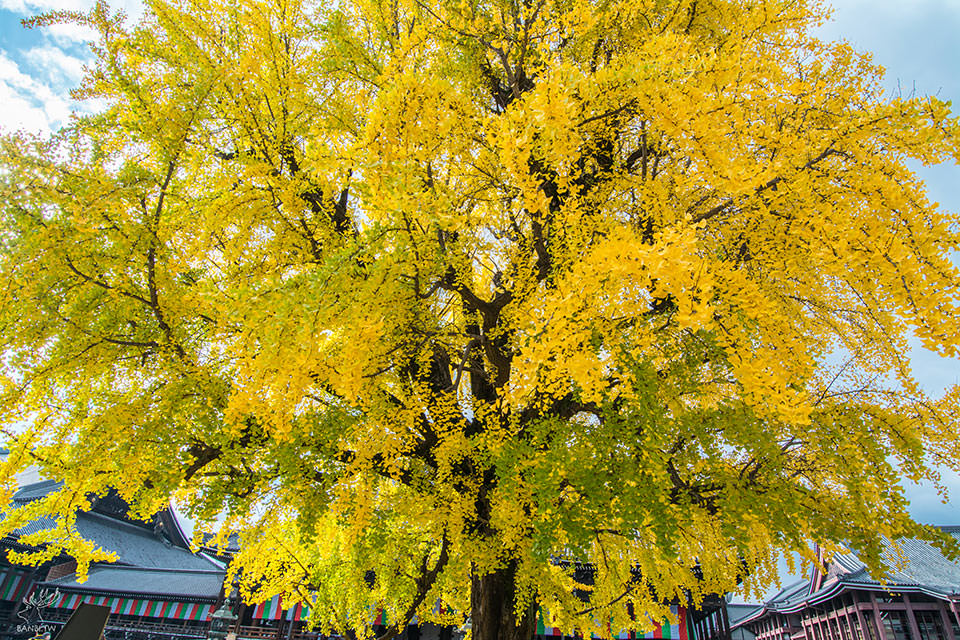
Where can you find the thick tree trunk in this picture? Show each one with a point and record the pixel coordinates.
(492, 603)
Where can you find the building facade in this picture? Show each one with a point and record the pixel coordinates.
(158, 589)
(918, 599)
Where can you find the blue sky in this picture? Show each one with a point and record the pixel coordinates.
(916, 40)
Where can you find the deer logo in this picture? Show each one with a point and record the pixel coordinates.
(36, 601)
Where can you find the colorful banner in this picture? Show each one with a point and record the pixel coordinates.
(269, 610)
(13, 584)
(140, 607)
(542, 629)
(68, 601)
(665, 631)
(273, 609)
(297, 612)
(136, 607)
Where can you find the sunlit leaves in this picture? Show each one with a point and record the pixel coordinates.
(389, 286)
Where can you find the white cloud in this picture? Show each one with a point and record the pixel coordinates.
(69, 33)
(41, 6)
(133, 8)
(59, 68)
(29, 103)
(20, 112)
(36, 78)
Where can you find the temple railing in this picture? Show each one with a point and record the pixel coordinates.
(136, 629)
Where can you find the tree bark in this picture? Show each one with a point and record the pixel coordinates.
(493, 607)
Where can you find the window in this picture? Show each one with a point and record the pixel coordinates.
(930, 625)
(829, 633)
(895, 625)
(870, 626)
(857, 631)
(834, 629)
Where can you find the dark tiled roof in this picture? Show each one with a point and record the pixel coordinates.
(35, 525)
(36, 490)
(738, 612)
(136, 581)
(137, 546)
(32, 492)
(231, 548)
(790, 593)
(913, 563)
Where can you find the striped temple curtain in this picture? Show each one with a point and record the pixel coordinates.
(665, 631)
(139, 607)
(14, 584)
(273, 609)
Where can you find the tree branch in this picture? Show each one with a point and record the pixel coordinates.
(424, 582)
(770, 184)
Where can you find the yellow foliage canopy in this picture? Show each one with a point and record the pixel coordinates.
(451, 291)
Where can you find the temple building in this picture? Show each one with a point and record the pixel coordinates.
(158, 589)
(917, 599)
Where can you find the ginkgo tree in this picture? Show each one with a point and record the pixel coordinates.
(428, 299)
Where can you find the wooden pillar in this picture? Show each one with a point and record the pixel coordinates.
(830, 618)
(945, 621)
(953, 607)
(824, 630)
(858, 613)
(724, 620)
(241, 611)
(881, 635)
(911, 619)
(837, 627)
(864, 632)
(834, 623)
(848, 621)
